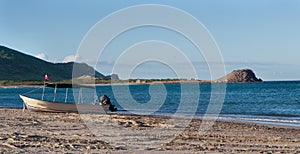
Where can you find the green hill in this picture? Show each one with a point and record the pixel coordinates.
(17, 66)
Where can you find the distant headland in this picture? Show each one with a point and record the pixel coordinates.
(18, 68)
(236, 76)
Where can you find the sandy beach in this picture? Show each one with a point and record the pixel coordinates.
(40, 132)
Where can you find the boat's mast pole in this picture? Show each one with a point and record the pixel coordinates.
(66, 95)
(95, 97)
(80, 96)
(43, 90)
(55, 92)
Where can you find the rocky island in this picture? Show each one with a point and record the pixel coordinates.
(236, 76)
(244, 75)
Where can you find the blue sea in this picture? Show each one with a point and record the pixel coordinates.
(265, 102)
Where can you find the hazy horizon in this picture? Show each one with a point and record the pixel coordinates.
(259, 35)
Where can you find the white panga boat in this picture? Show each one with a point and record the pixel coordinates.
(80, 107)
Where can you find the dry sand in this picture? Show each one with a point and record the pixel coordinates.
(40, 132)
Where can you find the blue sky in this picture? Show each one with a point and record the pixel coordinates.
(261, 35)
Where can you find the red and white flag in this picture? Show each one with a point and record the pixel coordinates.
(47, 78)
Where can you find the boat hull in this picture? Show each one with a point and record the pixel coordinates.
(44, 106)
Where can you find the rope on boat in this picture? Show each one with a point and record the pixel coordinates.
(31, 91)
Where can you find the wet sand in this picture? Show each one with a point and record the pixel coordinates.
(40, 132)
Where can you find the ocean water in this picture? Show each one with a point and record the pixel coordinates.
(264, 102)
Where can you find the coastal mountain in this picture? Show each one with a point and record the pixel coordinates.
(244, 75)
(17, 66)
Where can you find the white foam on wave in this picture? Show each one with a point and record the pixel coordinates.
(272, 120)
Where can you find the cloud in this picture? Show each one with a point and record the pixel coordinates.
(42, 56)
(71, 58)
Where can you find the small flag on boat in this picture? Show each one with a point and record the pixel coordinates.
(47, 78)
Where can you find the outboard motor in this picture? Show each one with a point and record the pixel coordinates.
(106, 101)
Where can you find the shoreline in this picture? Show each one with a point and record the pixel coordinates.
(21, 86)
(273, 121)
(148, 83)
(26, 131)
